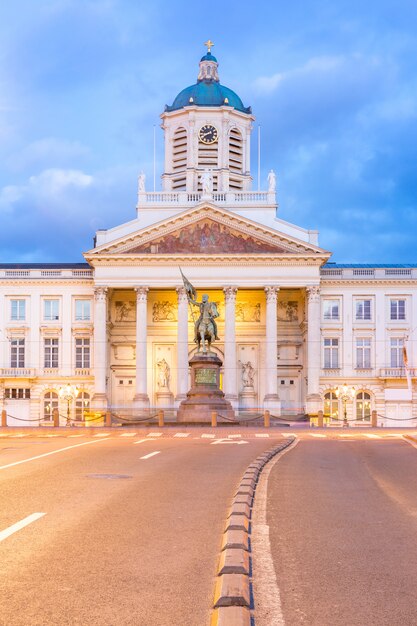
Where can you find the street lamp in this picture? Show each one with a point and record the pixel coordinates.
(345, 393)
(68, 393)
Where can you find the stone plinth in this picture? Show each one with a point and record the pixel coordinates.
(205, 395)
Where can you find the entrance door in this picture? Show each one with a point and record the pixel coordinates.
(399, 414)
(289, 394)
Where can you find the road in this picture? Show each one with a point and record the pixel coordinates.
(129, 537)
(342, 517)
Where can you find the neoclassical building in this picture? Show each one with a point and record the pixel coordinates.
(293, 326)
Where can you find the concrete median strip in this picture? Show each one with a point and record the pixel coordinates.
(232, 595)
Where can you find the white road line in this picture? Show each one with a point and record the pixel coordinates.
(233, 436)
(266, 589)
(182, 435)
(102, 435)
(128, 435)
(19, 525)
(370, 436)
(318, 435)
(74, 436)
(261, 435)
(154, 435)
(148, 456)
(140, 441)
(40, 456)
(205, 436)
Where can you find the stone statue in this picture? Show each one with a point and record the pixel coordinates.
(141, 183)
(272, 181)
(205, 327)
(248, 374)
(124, 311)
(164, 374)
(206, 180)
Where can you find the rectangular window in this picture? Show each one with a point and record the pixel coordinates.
(51, 353)
(397, 359)
(18, 310)
(82, 353)
(82, 310)
(50, 310)
(17, 394)
(331, 353)
(397, 309)
(363, 309)
(331, 309)
(17, 353)
(363, 353)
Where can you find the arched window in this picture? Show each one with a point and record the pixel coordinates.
(82, 404)
(50, 402)
(179, 158)
(363, 406)
(331, 405)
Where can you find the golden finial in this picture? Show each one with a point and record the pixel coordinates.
(209, 45)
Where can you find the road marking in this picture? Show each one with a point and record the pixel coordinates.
(370, 436)
(140, 441)
(205, 436)
(266, 590)
(182, 435)
(233, 436)
(213, 443)
(73, 436)
(128, 435)
(148, 456)
(154, 435)
(318, 435)
(40, 456)
(261, 435)
(410, 440)
(102, 435)
(19, 525)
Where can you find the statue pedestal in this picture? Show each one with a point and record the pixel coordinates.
(205, 394)
(248, 398)
(164, 398)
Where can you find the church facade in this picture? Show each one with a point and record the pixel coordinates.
(298, 334)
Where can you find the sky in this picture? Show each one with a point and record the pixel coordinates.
(333, 85)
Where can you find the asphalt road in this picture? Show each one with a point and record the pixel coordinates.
(342, 516)
(125, 540)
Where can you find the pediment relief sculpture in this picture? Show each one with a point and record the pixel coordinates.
(206, 237)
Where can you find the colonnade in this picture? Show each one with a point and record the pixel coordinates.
(271, 397)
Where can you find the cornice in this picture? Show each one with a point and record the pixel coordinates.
(208, 259)
(392, 282)
(42, 281)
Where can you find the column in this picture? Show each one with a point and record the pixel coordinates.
(229, 365)
(141, 399)
(99, 399)
(182, 345)
(313, 349)
(271, 400)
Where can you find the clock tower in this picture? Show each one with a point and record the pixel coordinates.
(207, 128)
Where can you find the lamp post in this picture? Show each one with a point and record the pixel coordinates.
(68, 393)
(345, 393)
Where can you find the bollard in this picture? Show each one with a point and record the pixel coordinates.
(108, 419)
(374, 419)
(214, 419)
(320, 419)
(55, 417)
(4, 418)
(267, 419)
(160, 419)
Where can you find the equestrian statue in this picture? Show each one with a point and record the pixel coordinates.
(205, 327)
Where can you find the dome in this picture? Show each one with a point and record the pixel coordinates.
(208, 57)
(208, 94)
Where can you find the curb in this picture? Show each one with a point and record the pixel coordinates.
(232, 605)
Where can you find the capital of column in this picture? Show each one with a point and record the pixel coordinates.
(313, 294)
(181, 294)
(230, 293)
(271, 293)
(141, 294)
(100, 294)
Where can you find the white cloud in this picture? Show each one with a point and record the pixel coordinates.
(47, 151)
(54, 181)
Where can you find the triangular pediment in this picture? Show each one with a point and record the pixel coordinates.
(209, 231)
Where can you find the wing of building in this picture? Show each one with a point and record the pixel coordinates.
(293, 327)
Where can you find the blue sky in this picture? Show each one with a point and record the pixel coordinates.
(332, 84)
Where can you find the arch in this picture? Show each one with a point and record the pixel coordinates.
(82, 404)
(50, 401)
(179, 158)
(331, 405)
(363, 405)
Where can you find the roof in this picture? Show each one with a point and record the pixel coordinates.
(46, 266)
(367, 265)
(208, 93)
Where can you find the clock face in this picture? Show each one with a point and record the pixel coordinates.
(208, 134)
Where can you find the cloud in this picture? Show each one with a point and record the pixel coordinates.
(47, 152)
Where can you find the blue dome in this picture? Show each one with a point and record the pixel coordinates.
(208, 57)
(208, 94)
